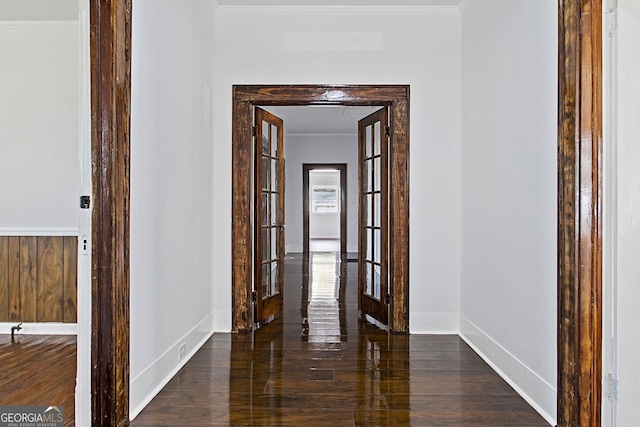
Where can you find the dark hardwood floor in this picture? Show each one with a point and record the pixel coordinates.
(39, 370)
(321, 364)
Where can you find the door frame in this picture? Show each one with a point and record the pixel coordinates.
(245, 98)
(342, 168)
(579, 212)
(579, 230)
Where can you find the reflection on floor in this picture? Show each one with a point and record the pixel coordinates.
(39, 370)
(320, 364)
(323, 303)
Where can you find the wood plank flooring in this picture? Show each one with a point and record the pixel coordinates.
(39, 370)
(321, 364)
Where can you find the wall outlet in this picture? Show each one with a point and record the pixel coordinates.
(182, 351)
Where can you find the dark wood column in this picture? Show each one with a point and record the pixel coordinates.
(241, 237)
(579, 213)
(110, 116)
(399, 214)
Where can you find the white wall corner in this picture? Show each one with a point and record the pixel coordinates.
(534, 389)
(222, 321)
(463, 4)
(146, 385)
(434, 323)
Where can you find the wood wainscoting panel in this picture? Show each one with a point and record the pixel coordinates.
(38, 278)
(13, 283)
(70, 280)
(4, 278)
(50, 284)
(28, 279)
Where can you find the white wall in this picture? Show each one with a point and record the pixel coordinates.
(171, 198)
(39, 139)
(628, 211)
(509, 143)
(301, 149)
(419, 46)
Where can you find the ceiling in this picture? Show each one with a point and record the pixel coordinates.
(326, 120)
(39, 10)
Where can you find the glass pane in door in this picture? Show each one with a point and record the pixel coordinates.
(274, 278)
(265, 279)
(376, 139)
(266, 140)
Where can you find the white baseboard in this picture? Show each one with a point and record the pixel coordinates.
(297, 249)
(534, 389)
(146, 385)
(294, 249)
(434, 323)
(40, 328)
(19, 231)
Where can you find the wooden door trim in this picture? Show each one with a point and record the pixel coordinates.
(579, 212)
(396, 97)
(110, 45)
(342, 168)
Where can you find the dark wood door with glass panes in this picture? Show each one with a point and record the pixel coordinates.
(373, 216)
(269, 216)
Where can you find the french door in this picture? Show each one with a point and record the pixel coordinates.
(373, 282)
(269, 215)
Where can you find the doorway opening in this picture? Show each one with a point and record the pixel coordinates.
(324, 207)
(245, 99)
(579, 348)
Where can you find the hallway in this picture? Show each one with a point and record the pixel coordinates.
(321, 364)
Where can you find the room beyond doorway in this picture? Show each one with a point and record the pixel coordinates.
(325, 211)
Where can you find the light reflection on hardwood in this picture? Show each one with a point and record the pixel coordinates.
(320, 364)
(39, 370)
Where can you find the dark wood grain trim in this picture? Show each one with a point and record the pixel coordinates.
(342, 168)
(241, 238)
(320, 94)
(344, 209)
(244, 99)
(579, 213)
(110, 45)
(399, 214)
(305, 208)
